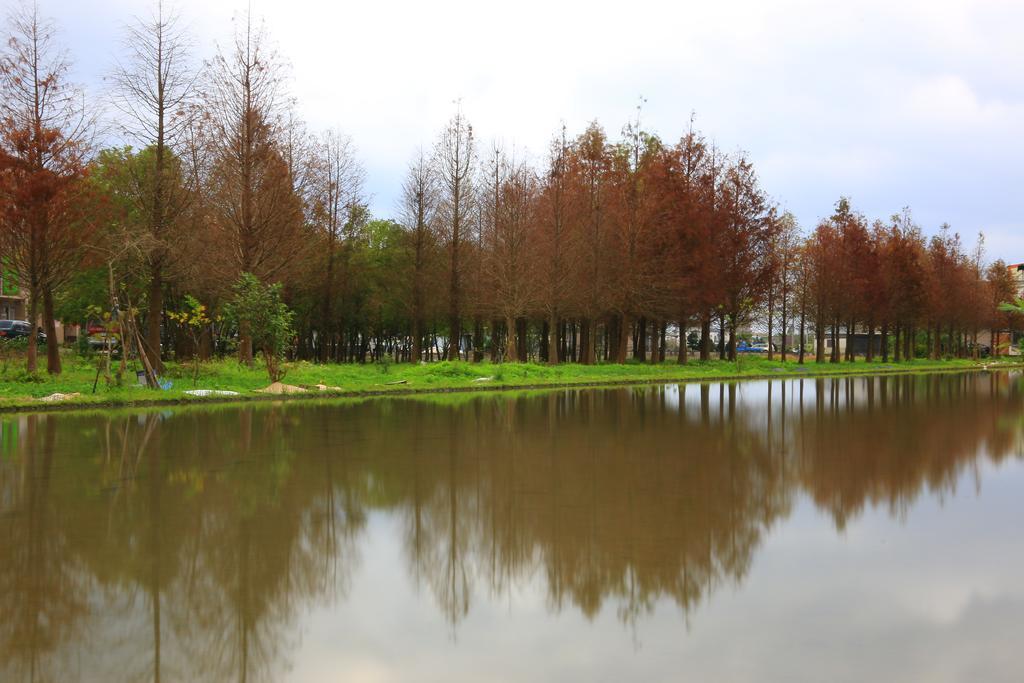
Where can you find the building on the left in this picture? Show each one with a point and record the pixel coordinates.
(14, 306)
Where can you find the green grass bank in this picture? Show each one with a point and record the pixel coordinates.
(19, 391)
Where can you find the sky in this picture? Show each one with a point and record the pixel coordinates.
(894, 104)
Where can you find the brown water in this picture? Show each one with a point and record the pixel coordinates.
(799, 530)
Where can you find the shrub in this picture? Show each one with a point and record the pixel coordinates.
(192, 319)
(258, 308)
(25, 376)
(11, 349)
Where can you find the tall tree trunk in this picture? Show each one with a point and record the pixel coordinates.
(33, 318)
(732, 337)
(478, 339)
(803, 336)
(326, 310)
(705, 337)
(611, 333)
(50, 325)
(154, 316)
(683, 350)
(640, 340)
(654, 337)
(510, 340)
(455, 330)
(417, 341)
(454, 286)
(819, 341)
(621, 349)
(581, 341)
(495, 340)
(552, 340)
(849, 341)
(783, 350)
(588, 332)
(205, 350)
(522, 334)
(721, 336)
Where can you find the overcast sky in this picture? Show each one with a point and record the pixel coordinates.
(892, 103)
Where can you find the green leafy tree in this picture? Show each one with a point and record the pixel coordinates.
(259, 310)
(193, 319)
(87, 289)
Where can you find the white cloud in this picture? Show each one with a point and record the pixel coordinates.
(949, 101)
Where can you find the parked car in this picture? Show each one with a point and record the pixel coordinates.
(101, 341)
(101, 337)
(15, 329)
(744, 347)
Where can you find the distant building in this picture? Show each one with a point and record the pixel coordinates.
(1007, 341)
(860, 340)
(1017, 272)
(12, 301)
(14, 306)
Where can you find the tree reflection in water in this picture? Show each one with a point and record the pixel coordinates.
(187, 544)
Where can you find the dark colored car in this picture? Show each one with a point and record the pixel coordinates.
(15, 329)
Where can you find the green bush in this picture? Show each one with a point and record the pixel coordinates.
(83, 348)
(27, 377)
(258, 308)
(11, 350)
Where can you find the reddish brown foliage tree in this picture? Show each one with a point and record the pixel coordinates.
(45, 132)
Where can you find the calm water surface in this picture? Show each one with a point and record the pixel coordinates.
(798, 530)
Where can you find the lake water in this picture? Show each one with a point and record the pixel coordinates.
(795, 530)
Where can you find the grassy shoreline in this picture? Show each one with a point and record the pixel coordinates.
(20, 393)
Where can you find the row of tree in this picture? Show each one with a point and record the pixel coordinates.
(595, 253)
